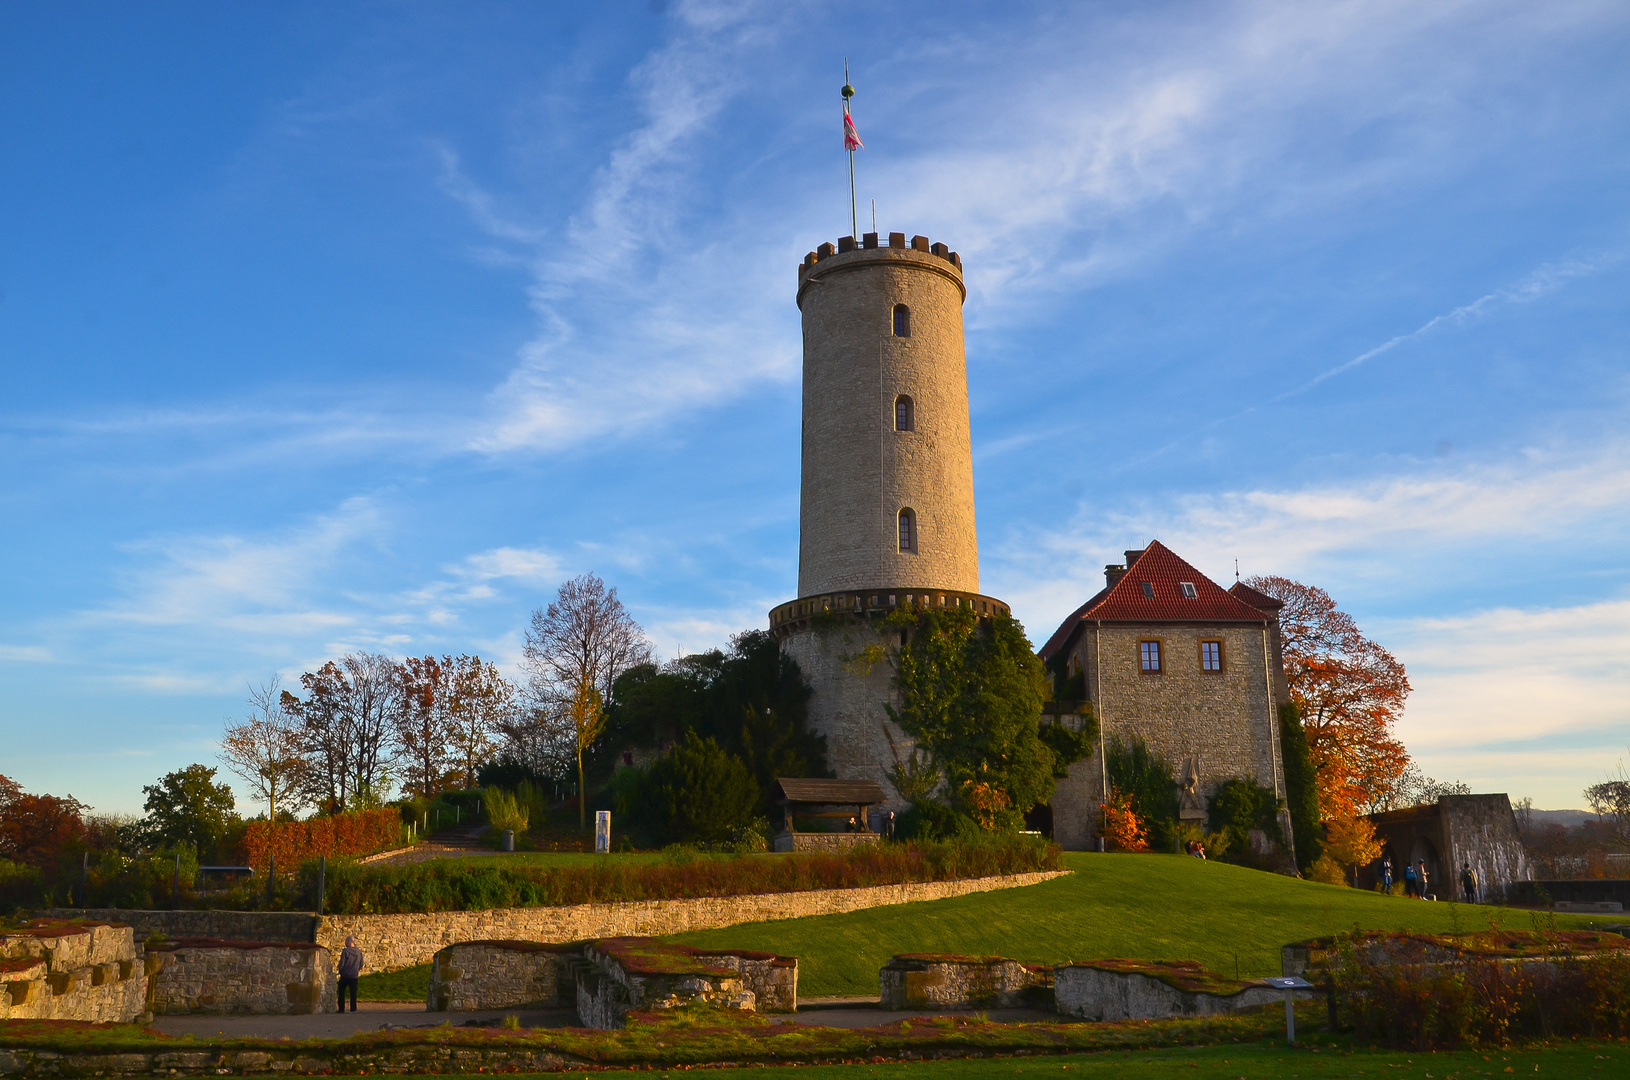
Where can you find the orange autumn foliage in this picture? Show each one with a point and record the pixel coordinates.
(1350, 691)
(984, 801)
(340, 834)
(1122, 831)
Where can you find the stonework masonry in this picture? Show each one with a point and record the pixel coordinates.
(390, 942)
(1225, 722)
(222, 977)
(86, 970)
(858, 471)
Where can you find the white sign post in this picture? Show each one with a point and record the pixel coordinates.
(1289, 984)
(602, 832)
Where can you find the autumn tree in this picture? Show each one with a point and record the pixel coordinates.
(35, 828)
(1350, 692)
(347, 718)
(481, 702)
(267, 751)
(424, 724)
(575, 650)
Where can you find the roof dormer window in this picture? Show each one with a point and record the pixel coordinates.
(1189, 591)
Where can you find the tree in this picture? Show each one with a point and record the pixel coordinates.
(188, 807)
(1348, 842)
(34, 829)
(970, 692)
(1610, 800)
(266, 751)
(347, 718)
(587, 719)
(1122, 829)
(696, 792)
(1415, 788)
(482, 702)
(1349, 691)
(1301, 786)
(575, 651)
(424, 725)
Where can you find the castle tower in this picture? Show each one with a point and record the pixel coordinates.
(886, 508)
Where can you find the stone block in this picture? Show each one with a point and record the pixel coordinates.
(478, 975)
(225, 977)
(939, 981)
(1104, 993)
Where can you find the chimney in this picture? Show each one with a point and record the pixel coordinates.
(1113, 573)
(1132, 557)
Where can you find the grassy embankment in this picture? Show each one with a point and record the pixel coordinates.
(1155, 907)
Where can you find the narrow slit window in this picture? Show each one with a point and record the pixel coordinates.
(902, 321)
(1149, 656)
(908, 531)
(1210, 656)
(905, 414)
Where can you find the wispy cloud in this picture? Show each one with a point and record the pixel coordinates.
(26, 654)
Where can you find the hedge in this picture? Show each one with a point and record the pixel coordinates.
(447, 885)
(293, 842)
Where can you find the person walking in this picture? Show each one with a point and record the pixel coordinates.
(1422, 879)
(350, 970)
(1468, 884)
(1409, 879)
(1386, 875)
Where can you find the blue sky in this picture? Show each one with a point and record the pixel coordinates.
(361, 326)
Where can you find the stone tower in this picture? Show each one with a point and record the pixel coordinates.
(886, 509)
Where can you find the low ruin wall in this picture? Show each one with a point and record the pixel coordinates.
(224, 977)
(397, 941)
(72, 971)
(1094, 994)
(501, 975)
(390, 942)
(922, 981)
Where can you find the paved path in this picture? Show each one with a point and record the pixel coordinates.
(370, 1016)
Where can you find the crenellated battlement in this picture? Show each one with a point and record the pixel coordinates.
(871, 241)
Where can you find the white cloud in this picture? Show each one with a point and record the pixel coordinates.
(1546, 494)
(26, 654)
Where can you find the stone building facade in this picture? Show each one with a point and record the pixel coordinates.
(1165, 655)
(886, 498)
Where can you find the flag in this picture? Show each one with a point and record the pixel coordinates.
(851, 137)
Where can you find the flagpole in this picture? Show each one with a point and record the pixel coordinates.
(854, 214)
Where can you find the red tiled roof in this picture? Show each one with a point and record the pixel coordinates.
(1255, 597)
(1161, 569)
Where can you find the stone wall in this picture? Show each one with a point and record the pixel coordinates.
(1456, 830)
(1096, 994)
(922, 981)
(502, 975)
(294, 926)
(220, 977)
(53, 970)
(1225, 721)
(815, 841)
(396, 941)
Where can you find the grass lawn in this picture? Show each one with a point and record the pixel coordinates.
(403, 984)
(1155, 907)
(1584, 1060)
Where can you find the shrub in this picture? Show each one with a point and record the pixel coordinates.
(1403, 993)
(1146, 780)
(1240, 805)
(929, 820)
(505, 811)
(1122, 830)
(696, 793)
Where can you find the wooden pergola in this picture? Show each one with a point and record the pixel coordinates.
(827, 799)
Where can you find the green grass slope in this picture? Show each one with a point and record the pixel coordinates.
(1156, 907)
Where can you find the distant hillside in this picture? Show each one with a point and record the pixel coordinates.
(1568, 819)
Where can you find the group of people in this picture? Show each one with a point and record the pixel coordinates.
(1417, 881)
(1195, 848)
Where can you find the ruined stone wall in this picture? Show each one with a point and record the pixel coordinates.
(1482, 830)
(88, 971)
(295, 926)
(1094, 994)
(501, 975)
(960, 982)
(218, 977)
(1226, 721)
(396, 941)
